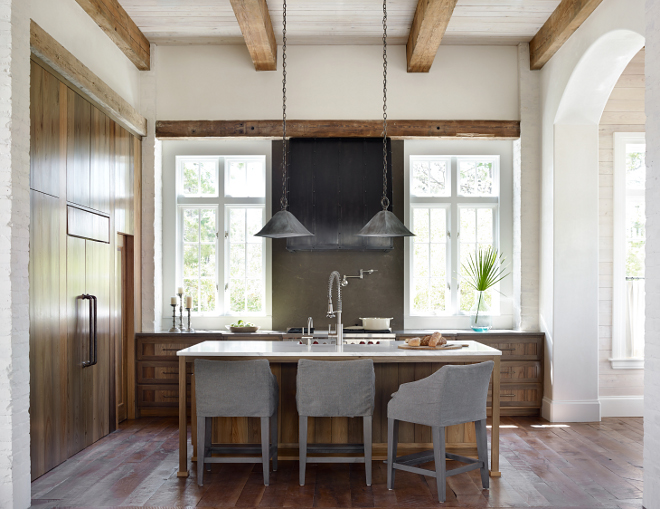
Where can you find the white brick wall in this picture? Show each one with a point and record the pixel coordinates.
(527, 196)
(14, 245)
(152, 200)
(652, 351)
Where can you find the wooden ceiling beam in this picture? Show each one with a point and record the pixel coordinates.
(257, 30)
(490, 129)
(566, 19)
(426, 33)
(122, 30)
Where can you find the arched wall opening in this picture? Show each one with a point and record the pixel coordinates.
(574, 355)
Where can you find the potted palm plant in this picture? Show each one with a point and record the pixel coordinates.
(483, 270)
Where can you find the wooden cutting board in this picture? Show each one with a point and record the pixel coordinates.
(443, 347)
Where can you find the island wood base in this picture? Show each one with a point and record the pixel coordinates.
(390, 373)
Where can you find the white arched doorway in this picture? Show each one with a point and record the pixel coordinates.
(575, 242)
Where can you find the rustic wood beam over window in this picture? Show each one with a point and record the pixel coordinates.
(490, 129)
(122, 30)
(561, 24)
(257, 30)
(72, 70)
(426, 33)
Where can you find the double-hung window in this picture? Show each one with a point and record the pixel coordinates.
(221, 204)
(453, 211)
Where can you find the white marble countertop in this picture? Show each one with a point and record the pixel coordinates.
(291, 349)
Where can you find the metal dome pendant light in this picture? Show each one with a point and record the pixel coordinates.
(283, 224)
(385, 223)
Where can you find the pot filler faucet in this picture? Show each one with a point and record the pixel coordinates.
(331, 312)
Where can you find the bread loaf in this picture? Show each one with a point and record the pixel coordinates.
(436, 339)
(425, 341)
(414, 342)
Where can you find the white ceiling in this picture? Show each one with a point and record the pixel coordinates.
(338, 21)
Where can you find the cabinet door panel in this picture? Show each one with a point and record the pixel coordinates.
(78, 153)
(47, 153)
(99, 273)
(100, 163)
(47, 365)
(79, 381)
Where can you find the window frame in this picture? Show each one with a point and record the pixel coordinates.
(502, 153)
(219, 149)
(620, 359)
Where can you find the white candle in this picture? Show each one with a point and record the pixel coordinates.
(173, 300)
(179, 290)
(189, 302)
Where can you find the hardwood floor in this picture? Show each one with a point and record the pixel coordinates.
(594, 465)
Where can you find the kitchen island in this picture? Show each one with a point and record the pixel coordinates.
(393, 367)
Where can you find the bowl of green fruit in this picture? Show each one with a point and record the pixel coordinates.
(242, 326)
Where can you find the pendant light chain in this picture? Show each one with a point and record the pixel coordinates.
(384, 201)
(284, 202)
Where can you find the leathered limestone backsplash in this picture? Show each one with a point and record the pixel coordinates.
(300, 280)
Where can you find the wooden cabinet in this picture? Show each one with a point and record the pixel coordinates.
(72, 242)
(521, 369)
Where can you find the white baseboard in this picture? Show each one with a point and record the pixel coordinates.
(571, 411)
(622, 406)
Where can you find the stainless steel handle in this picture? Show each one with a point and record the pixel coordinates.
(507, 395)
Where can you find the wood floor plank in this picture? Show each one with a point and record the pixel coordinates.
(544, 466)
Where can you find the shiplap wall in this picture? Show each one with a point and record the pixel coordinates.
(624, 113)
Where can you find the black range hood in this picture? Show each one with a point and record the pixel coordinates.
(335, 187)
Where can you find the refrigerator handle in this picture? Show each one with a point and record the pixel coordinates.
(92, 330)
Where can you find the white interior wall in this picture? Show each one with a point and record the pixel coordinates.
(72, 27)
(575, 85)
(337, 82)
(652, 349)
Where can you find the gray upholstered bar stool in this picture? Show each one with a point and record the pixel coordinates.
(335, 389)
(236, 389)
(452, 395)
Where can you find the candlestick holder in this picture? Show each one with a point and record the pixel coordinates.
(174, 327)
(181, 310)
(189, 329)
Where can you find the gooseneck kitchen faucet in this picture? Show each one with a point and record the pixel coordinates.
(331, 312)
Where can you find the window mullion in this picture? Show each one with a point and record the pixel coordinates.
(455, 235)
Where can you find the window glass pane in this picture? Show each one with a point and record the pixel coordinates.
(421, 260)
(207, 225)
(635, 166)
(255, 222)
(429, 261)
(421, 225)
(468, 225)
(190, 225)
(207, 295)
(246, 179)
(190, 178)
(199, 178)
(475, 178)
(466, 296)
(236, 225)
(254, 295)
(485, 226)
(429, 178)
(438, 260)
(420, 295)
(207, 260)
(237, 261)
(190, 261)
(438, 225)
(437, 295)
(237, 295)
(635, 237)
(254, 261)
(191, 287)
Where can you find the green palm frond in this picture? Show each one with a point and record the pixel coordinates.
(484, 269)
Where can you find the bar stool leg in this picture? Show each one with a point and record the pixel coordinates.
(302, 447)
(367, 426)
(392, 441)
(208, 426)
(201, 449)
(274, 438)
(440, 462)
(265, 449)
(482, 449)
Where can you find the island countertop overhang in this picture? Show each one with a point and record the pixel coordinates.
(292, 351)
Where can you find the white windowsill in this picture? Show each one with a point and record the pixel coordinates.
(630, 363)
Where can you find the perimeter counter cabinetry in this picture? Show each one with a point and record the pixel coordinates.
(157, 368)
(521, 369)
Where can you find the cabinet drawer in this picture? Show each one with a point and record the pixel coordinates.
(513, 347)
(160, 395)
(518, 395)
(520, 371)
(161, 350)
(160, 372)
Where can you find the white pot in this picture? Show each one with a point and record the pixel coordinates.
(376, 323)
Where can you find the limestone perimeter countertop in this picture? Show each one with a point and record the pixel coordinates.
(280, 350)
